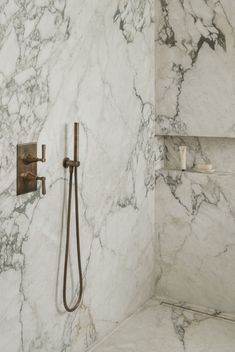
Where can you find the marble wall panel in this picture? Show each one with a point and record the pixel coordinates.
(195, 51)
(93, 62)
(195, 226)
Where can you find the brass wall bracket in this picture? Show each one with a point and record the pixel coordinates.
(27, 168)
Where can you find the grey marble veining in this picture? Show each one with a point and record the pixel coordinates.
(134, 16)
(93, 61)
(156, 327)
(62, 61)
(195, 216)
(195, 50)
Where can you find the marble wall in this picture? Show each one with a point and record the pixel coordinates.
(195, 50)
(195, 213)
(196, 239)
(63, 61)
(195, 225)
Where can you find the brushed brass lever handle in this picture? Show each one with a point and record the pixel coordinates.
(43, 180)
(43, 158)
(29, 176)
(29, 159)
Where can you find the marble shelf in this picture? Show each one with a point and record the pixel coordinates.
(217, 172)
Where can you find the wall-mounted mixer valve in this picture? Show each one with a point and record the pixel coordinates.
(27, 160)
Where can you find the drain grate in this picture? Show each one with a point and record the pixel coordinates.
(216, 314)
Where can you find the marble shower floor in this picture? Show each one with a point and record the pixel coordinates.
(159, 328)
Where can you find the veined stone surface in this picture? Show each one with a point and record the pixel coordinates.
(93, 62)
(156, 327)
(195, 226)
(195, 51)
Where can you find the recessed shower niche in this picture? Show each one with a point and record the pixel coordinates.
(219, 152)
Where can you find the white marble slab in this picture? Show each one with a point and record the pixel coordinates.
(159, 328)
(93, 62)
(195, 51)
(196, 238)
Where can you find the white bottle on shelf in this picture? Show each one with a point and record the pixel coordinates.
(183, 155)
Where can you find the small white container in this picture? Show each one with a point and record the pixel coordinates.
(183, 155)
(204, 167)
